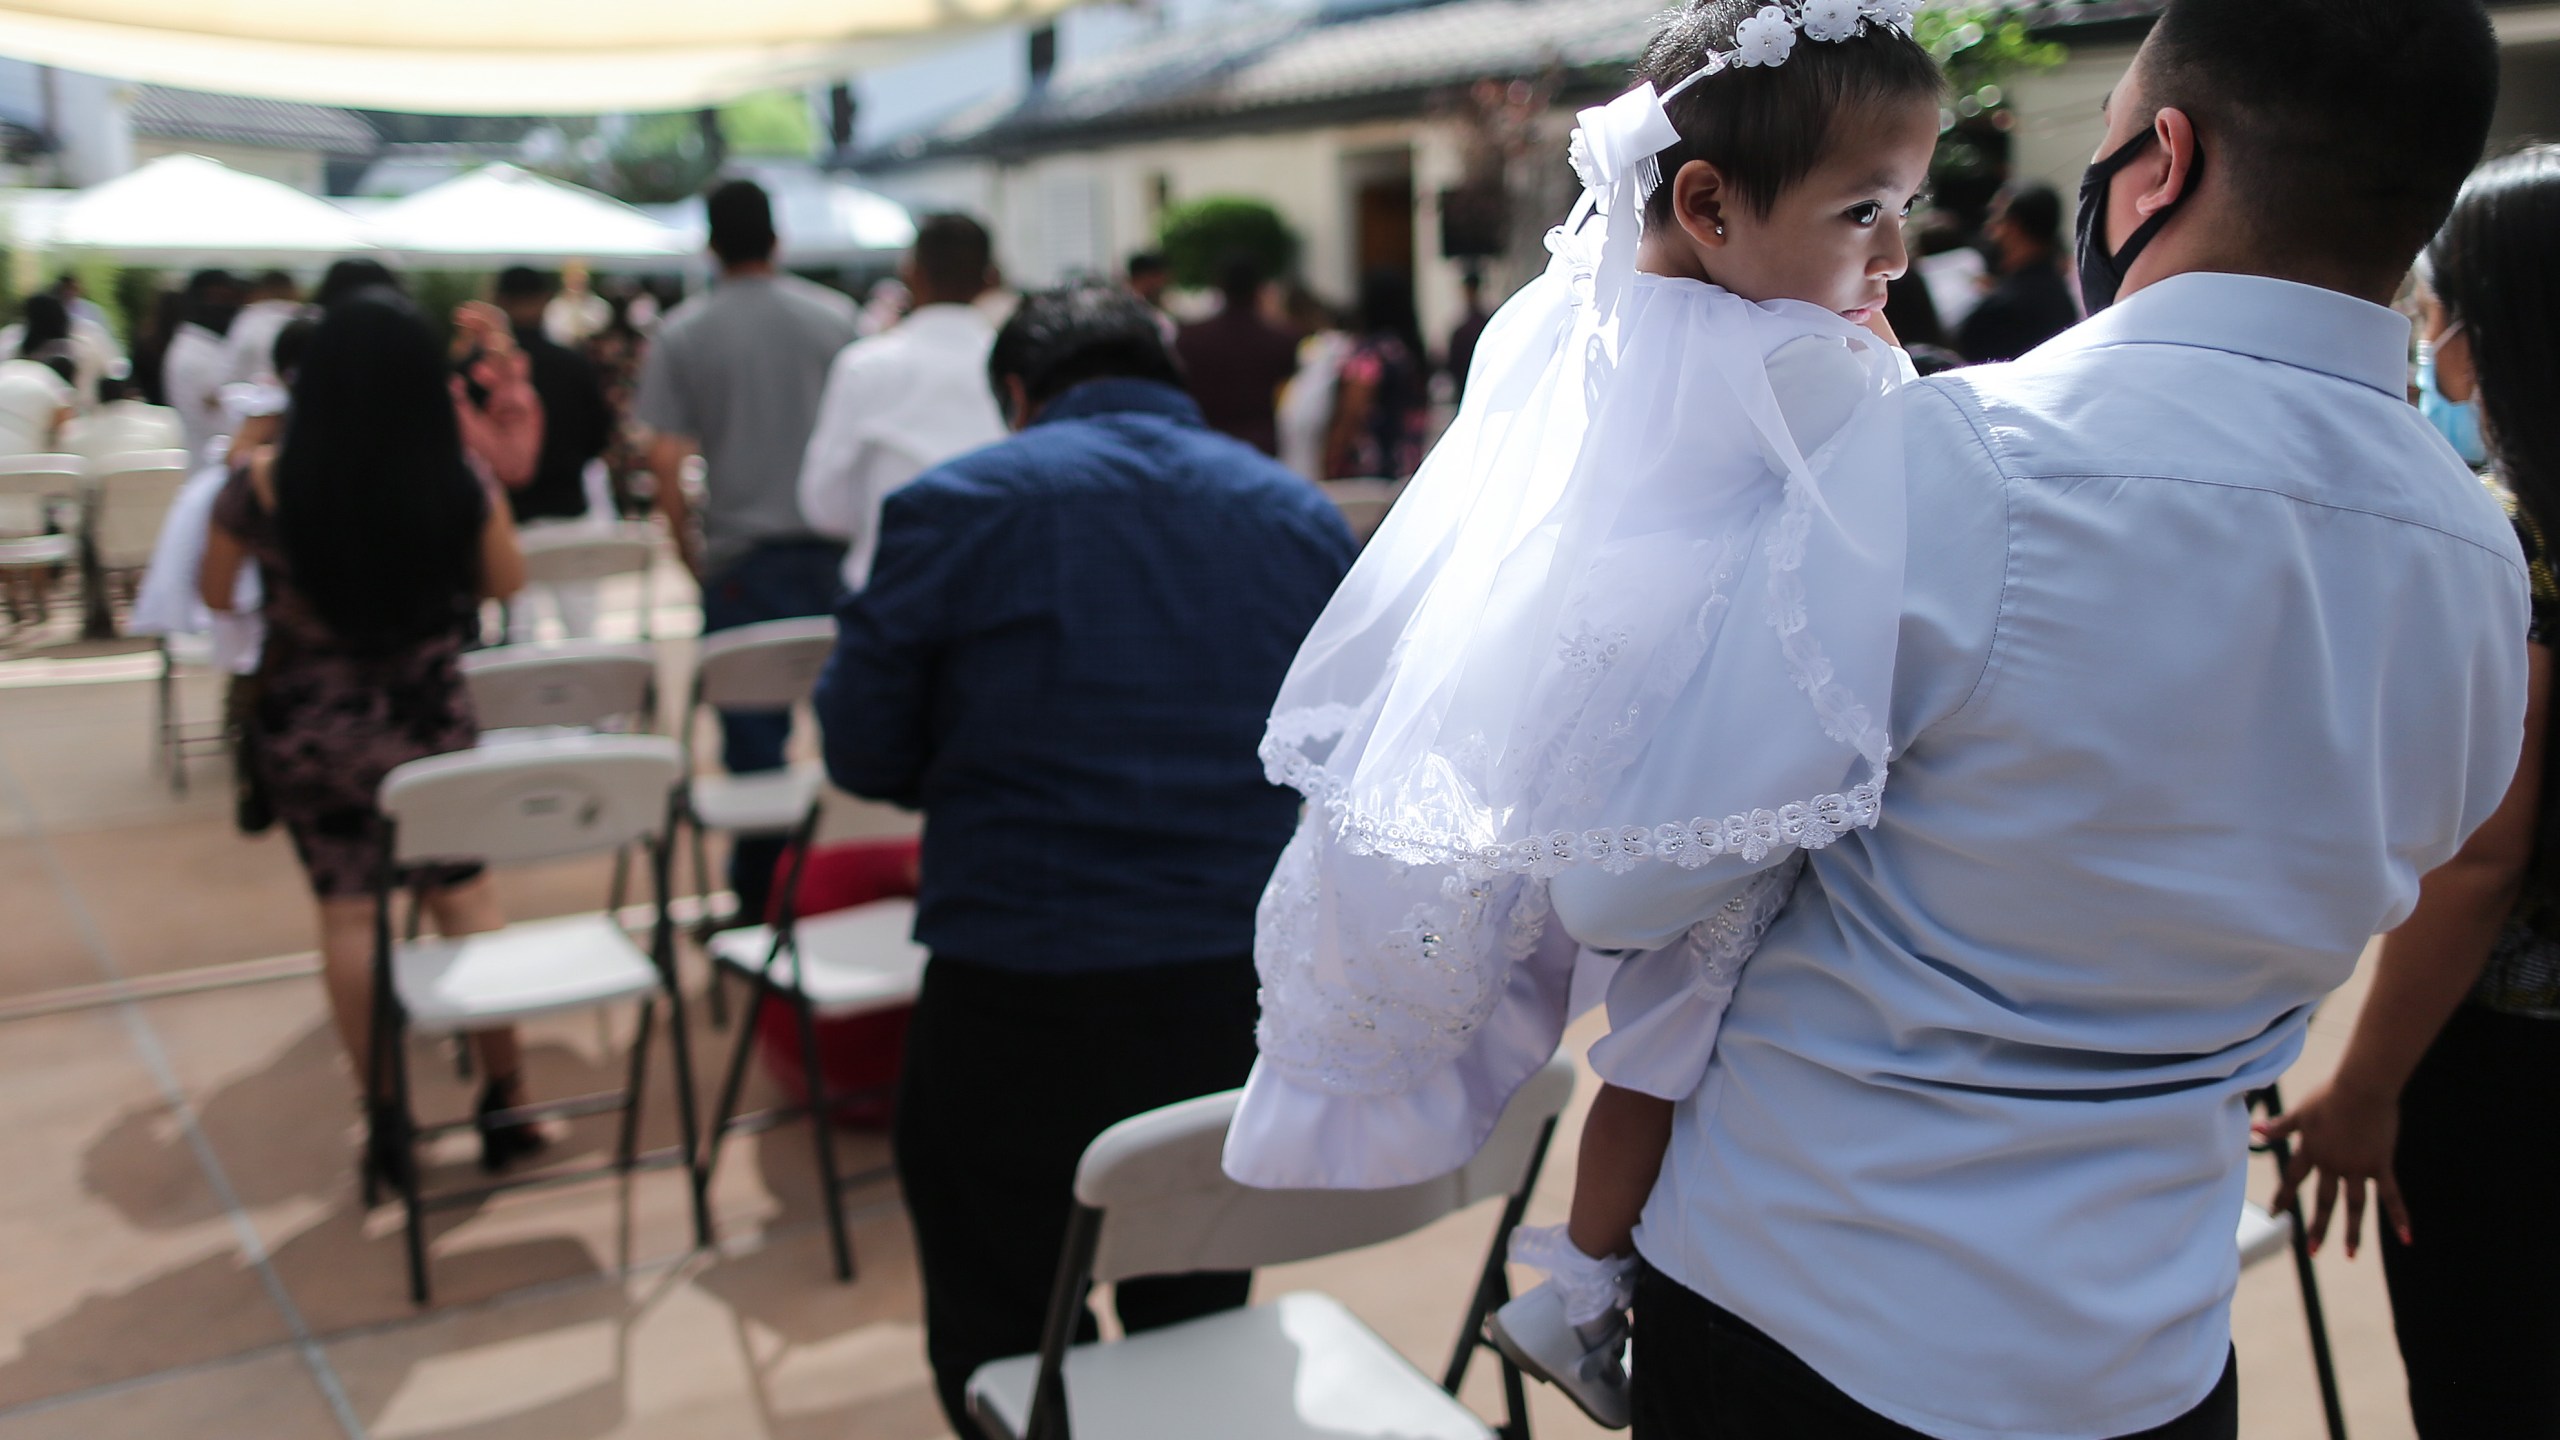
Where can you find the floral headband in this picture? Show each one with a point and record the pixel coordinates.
(1619, 141)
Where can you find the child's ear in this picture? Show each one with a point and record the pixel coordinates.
(1698, 196)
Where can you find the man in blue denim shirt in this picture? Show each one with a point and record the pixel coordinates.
(1064, 657)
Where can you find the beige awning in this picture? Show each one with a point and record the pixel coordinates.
(495, 57)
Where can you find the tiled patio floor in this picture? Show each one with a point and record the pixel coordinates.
(183, 1252)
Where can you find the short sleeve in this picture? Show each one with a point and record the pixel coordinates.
(660, 403)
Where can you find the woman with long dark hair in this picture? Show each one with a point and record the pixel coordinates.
(376, 541)
(2443, 1100)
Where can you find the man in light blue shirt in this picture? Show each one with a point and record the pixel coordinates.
(2211, 649)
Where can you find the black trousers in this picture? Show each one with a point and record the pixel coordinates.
(1703, 1373)
(1008, 1076)
(2477, 1299)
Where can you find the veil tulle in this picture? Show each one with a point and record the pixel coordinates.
(1618, 540)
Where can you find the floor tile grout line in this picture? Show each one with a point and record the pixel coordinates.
(155, 1059)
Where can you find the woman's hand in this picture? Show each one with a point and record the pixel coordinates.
(2347, 1134)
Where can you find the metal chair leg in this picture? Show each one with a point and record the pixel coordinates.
(627, 1148)
(734, 1081)
(688, 1132)
(822, 1125)
(2314, 1319)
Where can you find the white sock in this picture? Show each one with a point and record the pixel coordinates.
(1595, 1291)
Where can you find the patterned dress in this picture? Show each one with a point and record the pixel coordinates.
(329, 722)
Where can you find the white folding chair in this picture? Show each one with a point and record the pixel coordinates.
(1151, 1199)
(2263, 1237)
(578, 552)
(122, 426)
(855, 961)
(128, 503)
(562, 686)
(543, 800)
(769, 666)
(32, 544)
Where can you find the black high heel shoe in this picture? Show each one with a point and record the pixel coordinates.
(502, 1145)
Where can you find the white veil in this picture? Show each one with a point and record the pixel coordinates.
(1618, 540)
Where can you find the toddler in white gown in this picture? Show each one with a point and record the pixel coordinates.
(1671, 507)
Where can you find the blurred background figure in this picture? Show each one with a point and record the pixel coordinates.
(1149, 278)
(86, 341)
(197, 363)
(375, 544)
(347, 278)
(274, 302)
(903, 401)
(1383, 401)
(886, 305)
(567, 481)
(1464, 335)
(575, 313)
(2463, 1022)
(1236, 361)
(36, 392)
(735, 376)
(2031, 301)
(1305, 416)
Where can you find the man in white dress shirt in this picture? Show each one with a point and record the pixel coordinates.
(903, 401)
(197, 363)
(274, 302)
(2211, 648)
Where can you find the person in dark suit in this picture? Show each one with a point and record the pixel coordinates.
(1065, 657)
(576, 422)
(2031, 303)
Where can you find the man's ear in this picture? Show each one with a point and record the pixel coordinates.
(1018, 411)
(1699, 197)
(2175, 162)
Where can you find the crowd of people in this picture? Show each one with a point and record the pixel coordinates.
(2204, 658)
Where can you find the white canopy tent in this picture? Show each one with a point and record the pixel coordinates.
(186, 209)
(495, 57)
(499, 214)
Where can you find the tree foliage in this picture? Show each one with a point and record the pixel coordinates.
(1199, 236)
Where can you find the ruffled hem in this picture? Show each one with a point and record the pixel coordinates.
(1287, 1135)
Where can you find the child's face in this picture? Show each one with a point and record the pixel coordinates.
(1833, 238)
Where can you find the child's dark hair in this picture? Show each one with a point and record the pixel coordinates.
(1767, 126)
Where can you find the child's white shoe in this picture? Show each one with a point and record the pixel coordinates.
(1571, 1331)
(1534, 1334)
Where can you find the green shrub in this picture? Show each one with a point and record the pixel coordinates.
(1199, 235)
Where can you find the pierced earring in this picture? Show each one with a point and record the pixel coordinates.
(1719, 229)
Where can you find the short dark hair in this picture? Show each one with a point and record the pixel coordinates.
(2035, 208)
(351, 277)
(1059, 339)
(1767, 126)
(741, 220)
(2343, 128)
(292, 342)
(1146, 262)
(953, 253)
(1240, 277)
(2497, 269)
(523, 282)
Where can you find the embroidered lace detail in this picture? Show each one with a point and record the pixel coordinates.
(1842, 717)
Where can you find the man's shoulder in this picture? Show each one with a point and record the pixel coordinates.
(816, 299)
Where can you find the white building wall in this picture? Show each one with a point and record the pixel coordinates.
(1088, 211)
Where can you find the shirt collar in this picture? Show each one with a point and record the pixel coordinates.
(1118, 394)
(2304, 326)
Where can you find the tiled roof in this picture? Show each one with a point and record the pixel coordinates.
(1239, 70)
(1270, 69)
(240, 120)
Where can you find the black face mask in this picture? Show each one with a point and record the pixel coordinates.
(2102, 274)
